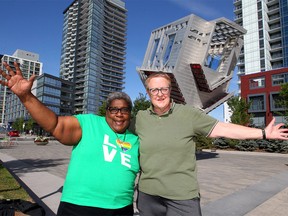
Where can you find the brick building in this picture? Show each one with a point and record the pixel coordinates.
(262, 89)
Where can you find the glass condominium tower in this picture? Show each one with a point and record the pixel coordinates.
(266, 41)
(93, 51)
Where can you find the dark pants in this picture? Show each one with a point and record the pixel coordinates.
(68, 209)
(149, 205)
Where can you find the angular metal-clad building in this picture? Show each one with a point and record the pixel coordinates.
(200, 57)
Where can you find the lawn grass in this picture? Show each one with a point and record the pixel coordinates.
(10, 188)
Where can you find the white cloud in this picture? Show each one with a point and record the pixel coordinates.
(209, 9)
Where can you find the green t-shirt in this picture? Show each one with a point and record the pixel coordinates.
(167, 150)
(101, 173)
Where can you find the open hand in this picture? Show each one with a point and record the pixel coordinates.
(276, 131)
(15, 80)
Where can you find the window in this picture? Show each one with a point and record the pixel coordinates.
(156, 43)
(260, 23)
(261, 34)
(213, 61)
(258, 82)
(262, 54)
(169, 47)
(257, 103)
(53, 82)
(258, 121)
(262, 63)
(261, 43)
(279, 79)
(280, 119)
(51, 100)
(52, 91)
(275, 102)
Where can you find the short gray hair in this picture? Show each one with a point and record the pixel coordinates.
(157, 74)
(118, 96)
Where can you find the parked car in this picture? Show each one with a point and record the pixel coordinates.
(13, 133)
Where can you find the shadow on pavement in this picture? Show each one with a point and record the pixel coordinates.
(57, 191)
(206, 155)
(33, 165)
(34, 197)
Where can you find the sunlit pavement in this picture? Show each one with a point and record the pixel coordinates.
(231, 183)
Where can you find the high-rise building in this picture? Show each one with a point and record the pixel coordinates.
(265, 43)
(265, 50)
(198, 55)
(29, 64)
(93, 51)
(53, 92)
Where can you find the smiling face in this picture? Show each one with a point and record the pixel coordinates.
(120, 120)
(160, 100)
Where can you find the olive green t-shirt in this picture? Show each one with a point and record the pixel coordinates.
(167, 150)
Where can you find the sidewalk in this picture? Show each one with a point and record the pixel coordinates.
(244, 183)
(41, 169)
(231, 183)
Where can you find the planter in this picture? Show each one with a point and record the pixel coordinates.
(41, 142)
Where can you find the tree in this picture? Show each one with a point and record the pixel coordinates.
(18, 124)
(240, 115)
(29, 124)
(203, 142)
(283, 101)
(239, 108)
(140, 103)
(102, 109)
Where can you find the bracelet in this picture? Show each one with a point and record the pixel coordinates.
(264, 134)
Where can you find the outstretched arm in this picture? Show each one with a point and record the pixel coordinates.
(66, 129)
(234, 131)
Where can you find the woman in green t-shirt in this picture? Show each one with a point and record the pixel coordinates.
(104, 159)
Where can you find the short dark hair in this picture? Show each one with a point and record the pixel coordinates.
(118, 96)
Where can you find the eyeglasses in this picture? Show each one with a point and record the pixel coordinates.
(163, 90)
(115, 110)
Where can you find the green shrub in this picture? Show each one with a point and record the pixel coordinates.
(277, 146)
(247, 145)
(223, 143)
(203, 142)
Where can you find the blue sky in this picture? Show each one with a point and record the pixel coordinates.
(36, 26)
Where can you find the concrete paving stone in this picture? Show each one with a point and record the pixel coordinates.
(269, 208)
(231, 182)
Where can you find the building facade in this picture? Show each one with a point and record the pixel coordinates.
(93, 51)
(262, 91)
(265, 43)
(29, 64)
(200, 57)
(53, 92)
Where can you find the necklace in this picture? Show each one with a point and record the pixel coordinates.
(122, 144)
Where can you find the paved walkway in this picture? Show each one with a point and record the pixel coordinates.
(232, 183)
